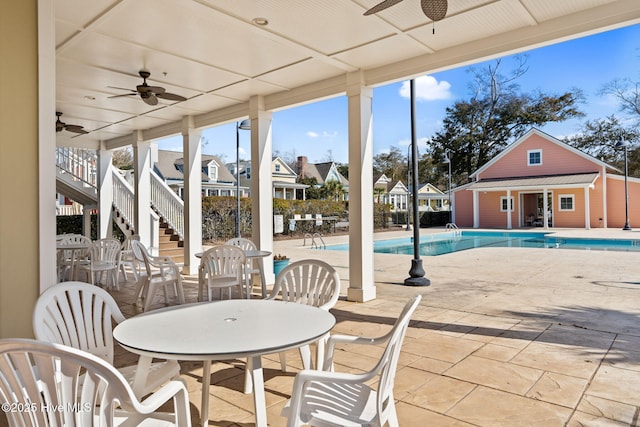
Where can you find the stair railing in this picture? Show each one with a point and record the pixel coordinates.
(123, 198)
(81, 164)
(167, 204)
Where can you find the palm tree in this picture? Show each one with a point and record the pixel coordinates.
(377, 192)
(333, 190)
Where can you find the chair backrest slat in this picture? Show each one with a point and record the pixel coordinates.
(310, 282)
(77, 384)
(78, 315)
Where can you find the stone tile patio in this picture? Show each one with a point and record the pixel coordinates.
(503, 337)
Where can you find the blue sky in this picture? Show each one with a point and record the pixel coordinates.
(319, 130)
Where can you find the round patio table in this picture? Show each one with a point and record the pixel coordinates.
(223, 330)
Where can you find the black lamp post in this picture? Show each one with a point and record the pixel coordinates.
(408, 193)
(622, 143)
(244, 125)
(447, 159)
(416, 272)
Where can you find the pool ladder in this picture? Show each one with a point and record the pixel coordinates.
(453, 228)
(313, 237)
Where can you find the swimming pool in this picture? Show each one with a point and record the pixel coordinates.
(444, 243)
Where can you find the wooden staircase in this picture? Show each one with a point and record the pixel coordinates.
(121, 221)
(170, 243)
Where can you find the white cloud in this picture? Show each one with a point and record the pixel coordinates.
(323, 134)
(427, 89)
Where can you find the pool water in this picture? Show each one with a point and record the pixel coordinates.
(444, 243)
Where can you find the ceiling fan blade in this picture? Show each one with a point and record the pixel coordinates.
(171, 96)
(381, 6)
(124, 94)
(149, 99)
(76, 129)
(121, 88)
(435, 10)
(157, 90)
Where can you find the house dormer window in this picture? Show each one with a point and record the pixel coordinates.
(534, 157)
(277, 168)
(212, 172)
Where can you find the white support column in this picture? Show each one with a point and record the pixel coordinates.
(545, 208)
(509, 210)
(605, 215)
(46, 144)
(142, 189)
(192, 149)
(452, 208)
(587, 209)
(105, 192)
(476, 209)
(361, 280)
(261, 181)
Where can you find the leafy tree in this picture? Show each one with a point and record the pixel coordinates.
(378, 192)
(477, 129)
(313, 192)
(123, 159)
(393, 164)
(599, 137)
(343, 169)
(627, 92)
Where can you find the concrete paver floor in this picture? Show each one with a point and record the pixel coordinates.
(502, 337)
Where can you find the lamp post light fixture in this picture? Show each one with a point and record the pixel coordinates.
(447, 159)
(408, 183)
(416, 272)
(619, 144)
(244, 125)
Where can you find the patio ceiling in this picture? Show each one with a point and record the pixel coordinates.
(212, 52)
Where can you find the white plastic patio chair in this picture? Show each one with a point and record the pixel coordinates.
(160, 272)
(67, 258)
(103, 259)
(311, 282)
(127, 259)
(327, 398)
(80, 315)
(222, 267)
(254, 266)
(56, 385)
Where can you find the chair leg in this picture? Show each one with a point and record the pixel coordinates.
(142, 284)
(393, 415)
(283, 361)
(305, 355)
(151, 292)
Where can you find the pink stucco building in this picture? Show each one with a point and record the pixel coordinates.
(541, 181)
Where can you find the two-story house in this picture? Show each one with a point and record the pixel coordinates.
(323, 173)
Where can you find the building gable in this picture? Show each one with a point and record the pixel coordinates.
(538, 154)
(280, 171)
(429, 189)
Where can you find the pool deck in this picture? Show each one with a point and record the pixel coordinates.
(502, 337)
